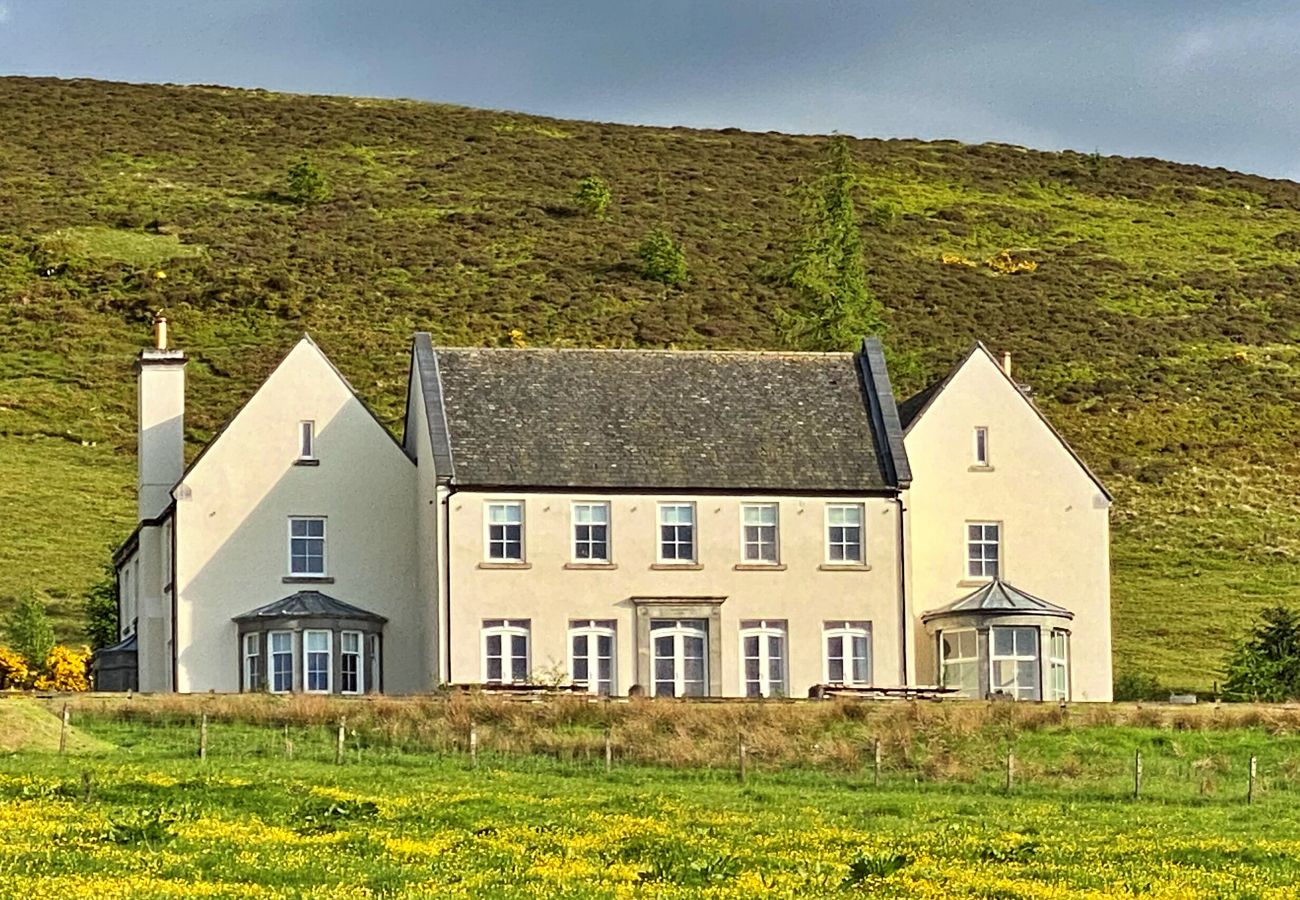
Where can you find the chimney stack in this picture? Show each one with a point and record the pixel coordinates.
(161, 420)
(1006, 362)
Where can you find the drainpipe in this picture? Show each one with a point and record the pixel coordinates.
(904, 611)
(446, 578)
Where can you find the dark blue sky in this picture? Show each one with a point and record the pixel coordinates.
(1211, 83)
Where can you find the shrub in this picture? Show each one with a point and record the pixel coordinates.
(14, 673)
(29, 631)
(100, 611)
(592, 196)
(64, 671)
(307, 184)
(661, 259)
(1265, 665)
(1138, 686)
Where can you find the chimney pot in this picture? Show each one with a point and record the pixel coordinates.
(1006, 362)
(160, 332)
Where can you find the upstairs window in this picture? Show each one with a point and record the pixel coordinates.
(307, 546)
(762, 658)
(591, 655)
(848, 653)
(505, 531)
(844, 533)
(591, 532)
(677, 532)
(505, 651)
(758, 537)
(983, 549)
(981, 442)
(307, 440)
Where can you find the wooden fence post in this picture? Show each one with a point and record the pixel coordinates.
(473, 745)
(288, 744)
(1011, 768)
(876, 761)
(1137, 774)
(1250, 786)
(609, 749)
(338, 747)
(740, 754)
(203, 736)
(63, 731)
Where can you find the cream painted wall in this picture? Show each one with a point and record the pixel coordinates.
(1055, 520)
(233, 509)
(550, 595)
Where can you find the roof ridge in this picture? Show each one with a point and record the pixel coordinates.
(659, 351)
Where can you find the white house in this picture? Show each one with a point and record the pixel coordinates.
(685, 523)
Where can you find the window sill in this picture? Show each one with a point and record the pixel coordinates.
(306, 462)
(759, 567)
(981, 469)
(974, 582)
(844, 567)
(307, 579)
(505, 565)
(591, 565)
(669, 566)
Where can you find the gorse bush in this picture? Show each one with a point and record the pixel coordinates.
(592, 196)
(307, 184)
(661, 259)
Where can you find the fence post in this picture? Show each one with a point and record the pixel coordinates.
(338, 747)
(875, 750)
(203, 736)
(473, 745)
(609, 749)
(1250, 787)
(63, 731)
(1011, 768)
(1137, 774)
(740, 754)
(288, 744)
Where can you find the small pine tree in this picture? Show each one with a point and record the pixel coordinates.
(592, 196)
(307, 184)
(29, 631)
(1265, 665)
(100, 611)
(837, 308)
(661, 259)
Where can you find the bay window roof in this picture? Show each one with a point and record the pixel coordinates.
(997, 598)
(309, 605)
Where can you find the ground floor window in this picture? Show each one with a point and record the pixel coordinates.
(591, 655)
(1013, 662)
(1059, 661)
(252, 662)
(352, 679)
(959, 661)
(281, 644)
(763, 658)
(316, 653)
(505, 650)
(680, 649)
(848, 653)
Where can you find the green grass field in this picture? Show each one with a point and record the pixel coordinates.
(1158, 329)
(147, 818)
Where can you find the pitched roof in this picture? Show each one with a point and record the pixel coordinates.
(997, 598)
(666, 420)
(309, 603)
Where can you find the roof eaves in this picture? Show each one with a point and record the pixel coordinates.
(936, 389)
(435, 410)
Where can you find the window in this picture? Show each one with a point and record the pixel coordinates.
(591, 532)
(680, 657)
(316, 661)
(677, 532)
(352, 679)
(1059, 663)
(762, 658)
(377, 672)
(127, 605)
(959, 661)
(281, 644)
(505, 531)
(307, 546)
(982, 549)
(848, 653)
(844, 533)
(306, 440)
(505, 651)
(981, 446)
(758, 537)
(252, 662)
(591, 655)
(1013, 662)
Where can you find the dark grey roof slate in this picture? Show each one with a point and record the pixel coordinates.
(910, 408)
(660, 420)
(999, 598)
(309, 603)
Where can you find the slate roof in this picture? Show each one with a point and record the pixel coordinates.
(665, 420)
(997, 598)
(309, 603)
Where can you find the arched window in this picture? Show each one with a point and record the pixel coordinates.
(591, 655)
(681, 659)
(763, 658)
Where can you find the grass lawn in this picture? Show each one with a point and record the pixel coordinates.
(147, 819)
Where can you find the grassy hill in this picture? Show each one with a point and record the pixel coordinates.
(1158, 328)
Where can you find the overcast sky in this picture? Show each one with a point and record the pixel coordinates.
(1212, 83)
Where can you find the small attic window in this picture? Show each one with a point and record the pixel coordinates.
(307, 442)
(981, 446)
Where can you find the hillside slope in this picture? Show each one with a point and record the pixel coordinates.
(1158, 329)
